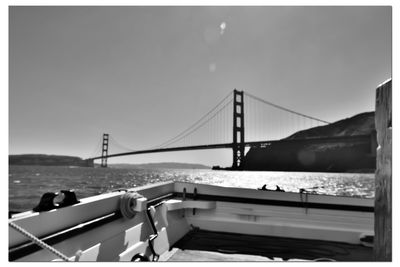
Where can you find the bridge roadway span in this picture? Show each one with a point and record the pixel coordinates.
(348, 139)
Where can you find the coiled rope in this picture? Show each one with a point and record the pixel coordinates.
(128, 203)
(37, 241)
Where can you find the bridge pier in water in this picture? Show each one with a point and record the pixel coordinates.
(238, 143)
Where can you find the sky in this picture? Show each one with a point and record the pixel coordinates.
(144, 74)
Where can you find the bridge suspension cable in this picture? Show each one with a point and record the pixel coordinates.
(283, 108)
(118, 145)
(203, 123)
(97, 149)
(199, 123)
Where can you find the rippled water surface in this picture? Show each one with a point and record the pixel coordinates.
(28, 183)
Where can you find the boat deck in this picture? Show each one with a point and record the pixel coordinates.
(200, 245)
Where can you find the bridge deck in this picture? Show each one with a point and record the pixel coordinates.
(248, 144)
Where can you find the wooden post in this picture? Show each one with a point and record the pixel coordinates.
(383, 173)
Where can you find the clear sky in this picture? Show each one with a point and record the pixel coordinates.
(143, 74)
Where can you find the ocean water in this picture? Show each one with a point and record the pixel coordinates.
(28, 183)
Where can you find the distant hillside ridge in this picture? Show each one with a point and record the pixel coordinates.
(319, 156)
(58, 160)
(47, 160)
(360, 124)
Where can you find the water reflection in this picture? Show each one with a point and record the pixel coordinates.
(26, 187)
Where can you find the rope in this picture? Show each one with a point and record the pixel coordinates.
(128, 203)
(37, 241)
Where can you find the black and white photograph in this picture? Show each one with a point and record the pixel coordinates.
(199, 133)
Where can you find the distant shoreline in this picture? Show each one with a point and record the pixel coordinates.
(59, 160)
(46, 160)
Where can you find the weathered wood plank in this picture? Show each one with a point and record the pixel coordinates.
(383, 174)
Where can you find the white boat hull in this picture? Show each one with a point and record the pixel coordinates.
(94, 230)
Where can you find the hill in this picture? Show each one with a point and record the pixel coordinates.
(47, 160)
(360, 124)
(58, 160)
(357, 156)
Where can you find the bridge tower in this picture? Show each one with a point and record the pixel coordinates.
(238, 130)
(104, 152)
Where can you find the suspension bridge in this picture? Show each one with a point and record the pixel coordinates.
(225, 125)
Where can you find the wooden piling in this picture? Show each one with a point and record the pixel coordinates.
(383, 173)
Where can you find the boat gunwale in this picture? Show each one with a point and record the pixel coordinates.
(270, 202)
(272, 195)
